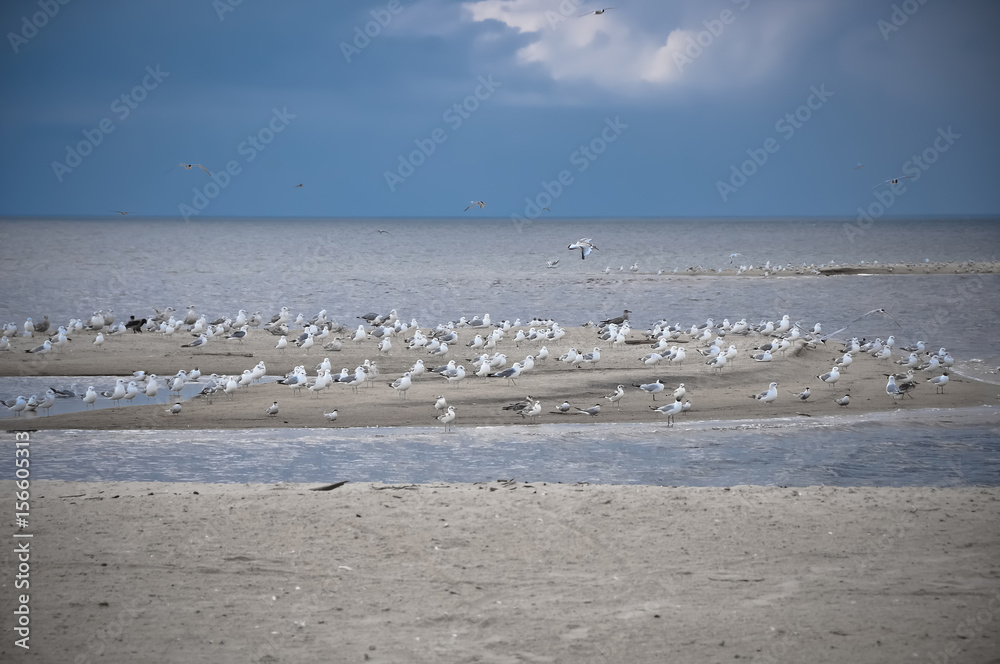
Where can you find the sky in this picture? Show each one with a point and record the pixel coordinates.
(414, 108)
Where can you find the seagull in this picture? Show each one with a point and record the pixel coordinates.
(121, 212)
(200, 341)
(831, 376)
(939, 382)
(447, 418)
(510, 374)
(596, 12)
(892, 181)
(521, 406)
(616, 321)
(238, 335)
(441, 403)
(680, 391)
(48, 401)
(844, 400)
(17, 406)
(41, 350)
(732, 257)
(584, 245)
(382, 231)
(651, 388)
(297, 186)
(616, 396)
(534, 410)
(892, 389)
(551, 264)
(670, 410)
(473, 204)
(90, 397)
(873, 311)
(770, 395)
(860, 165)
(188, 167)
(402, 384)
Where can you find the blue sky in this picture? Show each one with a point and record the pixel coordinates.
(687, 108)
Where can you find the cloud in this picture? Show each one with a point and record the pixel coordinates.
(649, 48)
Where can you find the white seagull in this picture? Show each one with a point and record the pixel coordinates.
(584, 245)
(768, 396)
(447, 418)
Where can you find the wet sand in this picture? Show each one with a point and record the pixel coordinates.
(478, 401)
(509, 572)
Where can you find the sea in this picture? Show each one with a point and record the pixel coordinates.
(438, 270)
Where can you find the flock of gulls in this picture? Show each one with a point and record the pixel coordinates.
(434, 349)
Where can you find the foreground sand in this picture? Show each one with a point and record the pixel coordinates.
(509, 572)
(478, 401)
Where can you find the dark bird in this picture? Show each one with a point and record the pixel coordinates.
(616, 321)
(135, 324)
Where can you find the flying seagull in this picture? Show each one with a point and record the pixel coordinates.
(584, 245)
(596, 12)
(860, 165)
(121, 212)
(473, 204)
(188, 167)
(892, 181)
(297, 186)
(873, 311)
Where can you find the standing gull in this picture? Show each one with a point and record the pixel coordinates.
(767, 396)
(447, 418)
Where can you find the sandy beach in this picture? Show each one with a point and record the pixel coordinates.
(478, 401)
(510, 572)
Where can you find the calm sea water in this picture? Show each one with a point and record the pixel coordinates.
(436, 271)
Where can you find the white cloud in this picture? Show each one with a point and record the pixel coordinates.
(650, 47)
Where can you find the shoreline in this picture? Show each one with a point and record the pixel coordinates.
(506, 570)
(478, 401)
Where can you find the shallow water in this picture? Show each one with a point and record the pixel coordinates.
(923, 448)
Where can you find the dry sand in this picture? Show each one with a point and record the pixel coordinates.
(508, 572)
(478, 401)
